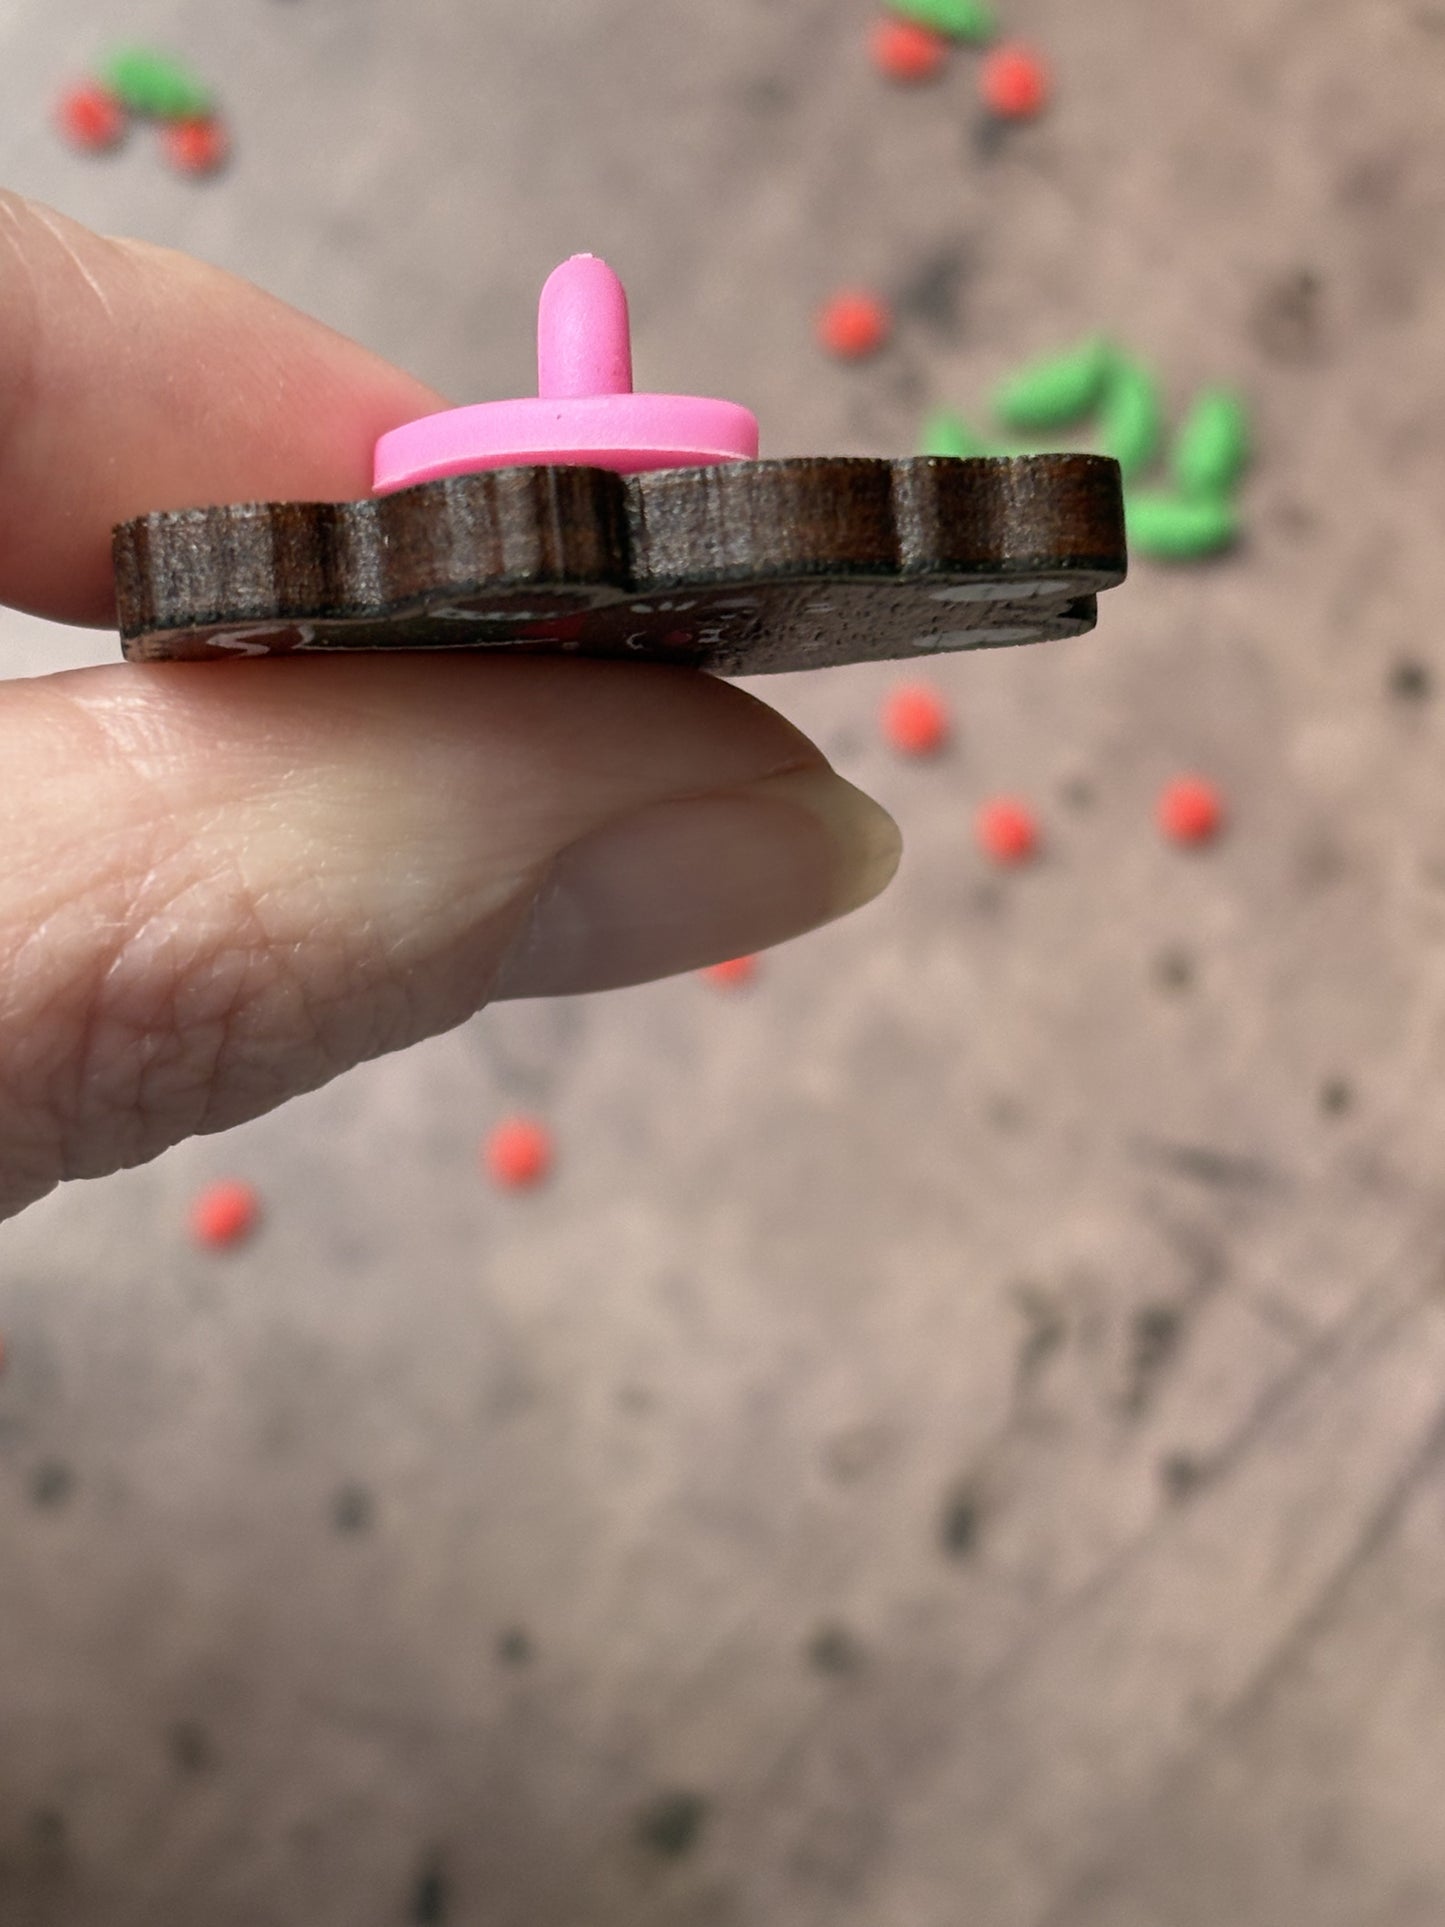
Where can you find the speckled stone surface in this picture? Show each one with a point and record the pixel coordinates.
(962, 1437)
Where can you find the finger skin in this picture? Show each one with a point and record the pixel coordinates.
(133, 378)
(227, 883)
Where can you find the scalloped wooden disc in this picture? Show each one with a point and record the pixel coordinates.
(740, 569)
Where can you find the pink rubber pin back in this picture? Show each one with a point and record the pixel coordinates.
(584, 413)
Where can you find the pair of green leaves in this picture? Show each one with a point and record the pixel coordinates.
(1197, 516)
(154, 85)
(957, 19)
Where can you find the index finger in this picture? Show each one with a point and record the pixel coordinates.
(133, 378)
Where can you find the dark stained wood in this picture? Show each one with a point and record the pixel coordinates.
(740, 569)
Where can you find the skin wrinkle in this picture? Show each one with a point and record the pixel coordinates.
(88, 1072)
(67, 248)
(271, 1000)
(184, 987)
(143, 808)
(170, 1086)
(23, 339)
(107, 933)
(196, 1070)
(19, 332)
(150, 960)
(134, 899)
(125, 1106)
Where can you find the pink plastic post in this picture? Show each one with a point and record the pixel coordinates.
(585, 412)
(584, 332)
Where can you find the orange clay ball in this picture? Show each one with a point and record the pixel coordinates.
(1191, 810)
(225, 1214)
(1014, 83)
(916, 721)
(904, 50)
(196, 146)
(90, 118)
(854, 324)
(1008, 831)
(518, 1154)
(735, 974)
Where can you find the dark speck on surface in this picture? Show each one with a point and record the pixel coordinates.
(1336, 1097)
(48, 1829)
(854, 1453)
(48, 1856)
(1201, 1162)
(909, 385)
(672, 1825)
(429, 1897)
(987, 137)
(1294, 520)
(1287, 321)
(1156, 1334)
(833, 1649)
(933, 293)
(766, 95)
(1045, 1330)
(1371, 181)
(1181, 1476)
(1321, 862)
(1154, 1340)
(514, 1647)
(1077, 793)
(1006, 1113)
(1174, 970)
(190, 1748)
(1411, 682)
(353, 1509)
(52, 1484)
(959, 1525)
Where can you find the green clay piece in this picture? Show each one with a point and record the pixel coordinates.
(971, 20)
(1051, 394)
(1131, 424)
(1213, 445)
(155, 85)
(1179, 528)
(948, 434)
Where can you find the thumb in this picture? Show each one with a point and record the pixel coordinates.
(226, 883)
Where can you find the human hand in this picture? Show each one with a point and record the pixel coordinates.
(226, 883)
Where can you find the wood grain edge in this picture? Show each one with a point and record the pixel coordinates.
(525, 527)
